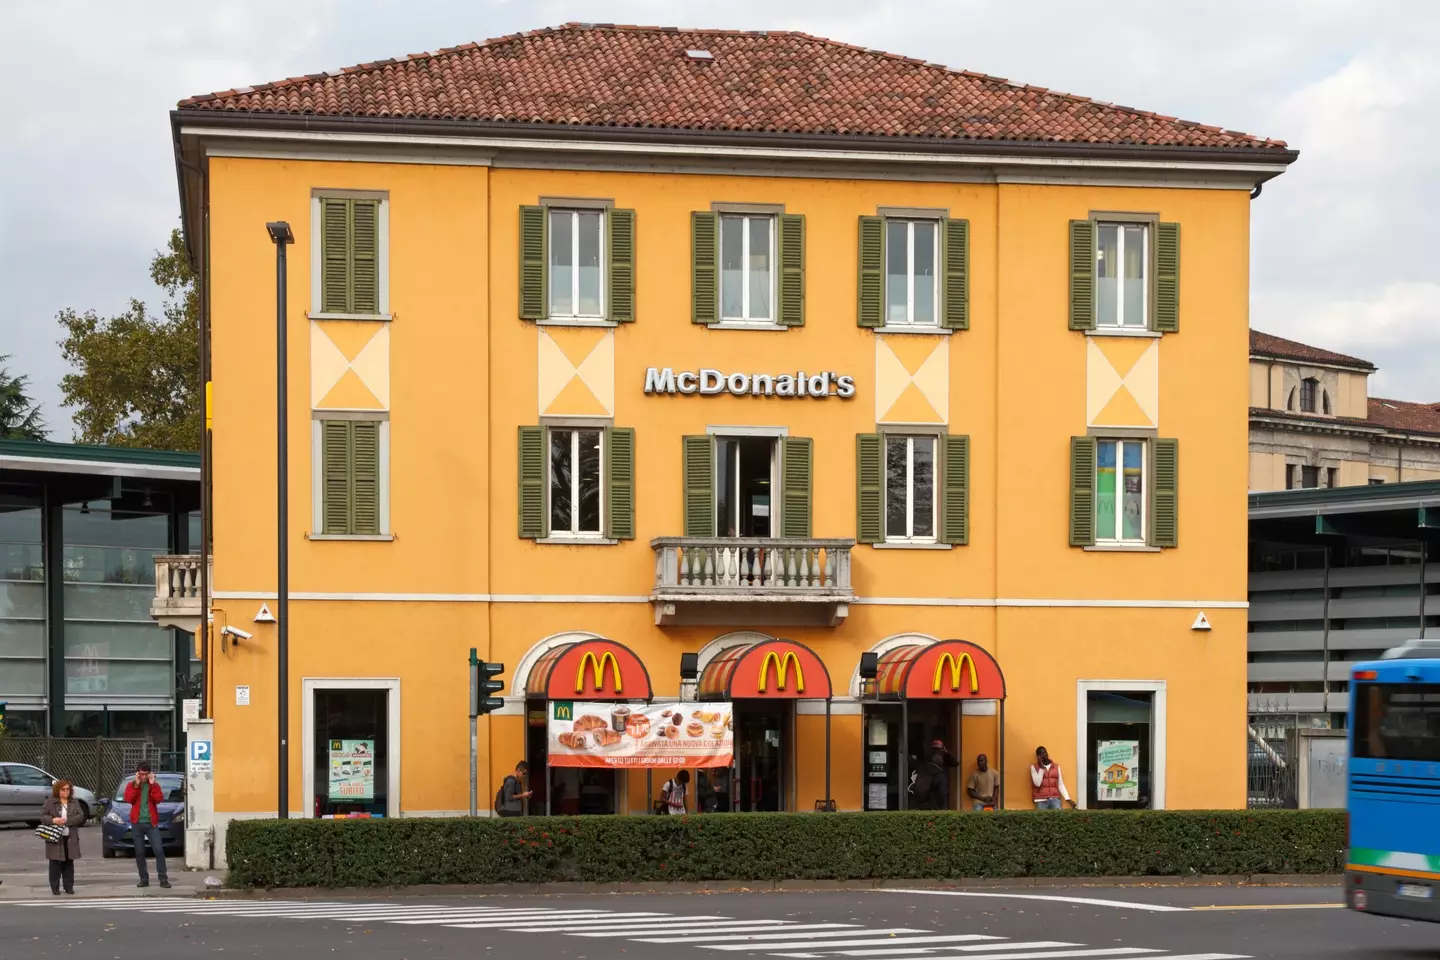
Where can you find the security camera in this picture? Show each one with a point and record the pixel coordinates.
(237, 633)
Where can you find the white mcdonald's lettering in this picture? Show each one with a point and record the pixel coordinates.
(710, 382)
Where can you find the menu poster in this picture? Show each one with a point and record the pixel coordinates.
(352, 770)
(1118, 769)
(641, 734)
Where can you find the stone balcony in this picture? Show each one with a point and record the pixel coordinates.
(751, 581)
(177, 591)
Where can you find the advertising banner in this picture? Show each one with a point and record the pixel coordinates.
(1118, 769)
(352, 770)
(640, 735)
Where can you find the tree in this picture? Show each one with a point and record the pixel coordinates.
(138, 375)
(19, 416)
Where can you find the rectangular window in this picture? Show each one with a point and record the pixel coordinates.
(350, 478)
(1289, 476)
(575, 458)
(1310, 477)
(349, 256)
(1121, 268)
(576, 251)
(1120, 491)
(1308, 388)
(1397, 721)
(1332, 477)
(910, 488)
(911, 257)
(745, 479)
(747, 252)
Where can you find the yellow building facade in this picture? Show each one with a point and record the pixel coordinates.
(810, 395)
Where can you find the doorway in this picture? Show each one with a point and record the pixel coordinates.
(351, 750)
(744, 480)
(571, 791)
(1111, 716)
(763, 740)
(925, 723)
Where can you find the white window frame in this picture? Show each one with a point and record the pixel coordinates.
(1080, 789)
(1120, 444)
(910, 273)
(910, 439)
(308, 687)
(574, 214)
(774, 438)
(1120, 226)
(744, 220)
(382, 252)
(575, 431)
(317, 475)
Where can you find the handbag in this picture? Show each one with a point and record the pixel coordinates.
(50, 833)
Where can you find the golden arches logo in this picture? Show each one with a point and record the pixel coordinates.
(597, 667)
(782, 671)
(956, 666)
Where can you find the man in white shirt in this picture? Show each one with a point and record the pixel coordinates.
(1049, 784)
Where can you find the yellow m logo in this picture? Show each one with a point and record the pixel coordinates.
(597, 667)
(782, 671)
(948, 659)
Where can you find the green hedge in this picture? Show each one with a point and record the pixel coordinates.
(762, 847)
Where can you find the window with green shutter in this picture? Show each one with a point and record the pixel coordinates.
(792, 269)
(698, 470)
(704, 267)
(1082, 275)
(956, 288)
(1166, 316)
(621, 256)
(350, 487)
(620, 482)
(795, 497)
(1082, 491)
(871, 311)
(869, 488)
(532, 263)
(350, 256)
(955, 497)
(532, 461)
(1165, 499)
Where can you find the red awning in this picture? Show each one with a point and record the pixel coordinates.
(769, 670)
(589, 670)
(945, 670)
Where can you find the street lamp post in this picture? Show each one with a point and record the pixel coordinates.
(281, 235)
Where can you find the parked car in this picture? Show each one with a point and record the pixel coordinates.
(24, 790)
(116, 832)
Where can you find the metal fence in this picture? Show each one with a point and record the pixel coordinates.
(1272, 774)
(95, 763)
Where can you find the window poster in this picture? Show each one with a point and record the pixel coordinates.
(1117, 769)
(352, 770)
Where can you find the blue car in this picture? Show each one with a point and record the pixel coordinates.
(115, 827)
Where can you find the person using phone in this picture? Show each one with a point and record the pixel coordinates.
(145, 795)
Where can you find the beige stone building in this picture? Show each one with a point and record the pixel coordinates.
(1314, 424)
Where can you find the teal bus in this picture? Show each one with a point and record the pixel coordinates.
(1393, 796)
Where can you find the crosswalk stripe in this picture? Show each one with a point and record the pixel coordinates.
(606, 924)
(424, 916)
(1204, 956)
(733, 926)
(810, 935)
(637, 925)
(903, 953)
(871, 940)
(494, 924)
(531, 916)
(518, 921)
(1103, 952)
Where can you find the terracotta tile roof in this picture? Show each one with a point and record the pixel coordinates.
(1266, 345)
(603, 75)
(1406, 416)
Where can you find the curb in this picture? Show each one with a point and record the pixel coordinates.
(762, 886)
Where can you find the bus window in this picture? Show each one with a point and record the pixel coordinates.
(1397, 721)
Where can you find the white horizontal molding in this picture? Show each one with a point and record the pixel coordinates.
(99, 468)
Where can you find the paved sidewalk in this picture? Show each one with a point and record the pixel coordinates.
(26, 875)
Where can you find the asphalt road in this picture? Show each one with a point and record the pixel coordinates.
(1094, 923)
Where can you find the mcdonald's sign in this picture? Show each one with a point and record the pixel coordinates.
(597, 666)
(956, 666)
(782, 671)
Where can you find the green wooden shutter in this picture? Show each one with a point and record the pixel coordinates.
(335, 255)
(957, 275)
(1082, 491)
(532, 469)
(795, 472)
(872, 272)
(955, 500)
(698, 466)
(869, 488)
(621, 285)
(620, 482)
(704, 271)
(533, 264)
(1164, 500)
(791, 227)
(1082, 275)
(1166, 316)
(335, 464)
(364, 256)
(365, 477)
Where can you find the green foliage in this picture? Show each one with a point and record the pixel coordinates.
(764, 847)
(138, 379)
(19, 415)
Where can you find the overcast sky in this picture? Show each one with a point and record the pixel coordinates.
(1346, 245)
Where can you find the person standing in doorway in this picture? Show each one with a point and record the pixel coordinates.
(930, 786)
(145, 795)
(509, 801)
(673, 794)
(984, 785)
(1049, 784)
(64, 811)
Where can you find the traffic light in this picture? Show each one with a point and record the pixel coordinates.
(483, 684)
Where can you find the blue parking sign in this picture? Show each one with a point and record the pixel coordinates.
(200, 751)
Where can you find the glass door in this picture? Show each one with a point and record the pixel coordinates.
(745, 480)
(352, 753)
(761, 747)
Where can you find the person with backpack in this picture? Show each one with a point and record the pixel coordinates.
(512, 794)
(930, 786)
(672, 794)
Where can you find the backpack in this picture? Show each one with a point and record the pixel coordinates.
(922, 785)
(500, 794)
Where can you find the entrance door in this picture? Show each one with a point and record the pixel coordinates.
(762, 749)
(351, 751)
(571, 791)
(927, 722)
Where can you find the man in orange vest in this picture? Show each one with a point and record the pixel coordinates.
(1049, 785)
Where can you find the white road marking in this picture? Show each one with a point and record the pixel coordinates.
(900, 953)
(873, 939)
(811, 927)
(1043, 955)
(1087, 901)
(488, 923)
(757, 926)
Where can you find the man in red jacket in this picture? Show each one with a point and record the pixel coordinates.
(144, 796)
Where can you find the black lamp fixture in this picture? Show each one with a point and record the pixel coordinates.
(869, 665)
(689, 666)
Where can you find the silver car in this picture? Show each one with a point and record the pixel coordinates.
(24, 790)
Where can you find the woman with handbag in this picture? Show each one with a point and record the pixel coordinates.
(61, 819)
